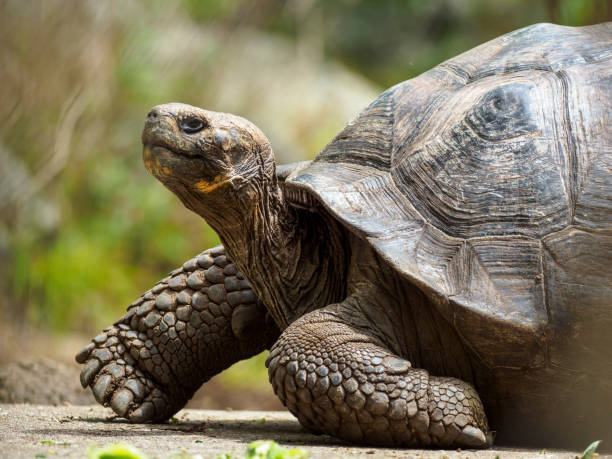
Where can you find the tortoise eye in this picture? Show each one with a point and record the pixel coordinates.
(192, 125)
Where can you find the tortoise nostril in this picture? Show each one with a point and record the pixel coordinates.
(153, 114)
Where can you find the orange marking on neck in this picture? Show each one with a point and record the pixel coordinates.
(153, 165)
(204, 186)
(148, 158)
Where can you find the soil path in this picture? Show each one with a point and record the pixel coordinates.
(29, 431)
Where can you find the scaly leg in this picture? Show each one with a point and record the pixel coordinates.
(190, 326)
(341, 381)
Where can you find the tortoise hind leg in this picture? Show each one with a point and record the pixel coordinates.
(189, 327)
(340, 380)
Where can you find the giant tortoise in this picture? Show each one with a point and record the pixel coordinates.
(441, 272)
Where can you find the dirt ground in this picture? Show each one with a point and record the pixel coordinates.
(28, 431)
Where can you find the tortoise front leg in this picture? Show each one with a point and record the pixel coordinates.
(190, 326)
(339, 380)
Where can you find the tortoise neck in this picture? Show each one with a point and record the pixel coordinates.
(293, 258)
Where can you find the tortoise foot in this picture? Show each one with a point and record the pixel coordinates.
(340, 381)
(191, 325)
(456, 414)
(122, 382)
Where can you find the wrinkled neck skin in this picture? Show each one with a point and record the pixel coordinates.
(294, 259)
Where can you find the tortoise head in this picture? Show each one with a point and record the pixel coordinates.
(202, 155)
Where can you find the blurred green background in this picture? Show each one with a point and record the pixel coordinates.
(83, 228)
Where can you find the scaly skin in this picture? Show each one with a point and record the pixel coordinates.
(340, 380)
(190, 326)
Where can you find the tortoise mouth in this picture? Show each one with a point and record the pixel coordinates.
(173, 168)
(163, 162)
(160, 148)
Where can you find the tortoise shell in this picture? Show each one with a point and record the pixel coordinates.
(486, 183)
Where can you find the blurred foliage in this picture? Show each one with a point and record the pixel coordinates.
(83, 228)
(240, 375)
(269, 449)
(391, 40)
(115, 451)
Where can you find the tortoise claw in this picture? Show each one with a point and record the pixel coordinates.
(82, 356)
(136, 387)
(89, 372)
(121, 401)
(101, 388)
(143, 413)
(473, 437)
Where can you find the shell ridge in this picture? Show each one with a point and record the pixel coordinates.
(570, 155)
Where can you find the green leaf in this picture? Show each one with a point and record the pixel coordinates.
(269, 449)
(589, 453)
(115, 451)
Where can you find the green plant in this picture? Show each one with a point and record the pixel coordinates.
(115, 451)
(269, 449)
(590, 451)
